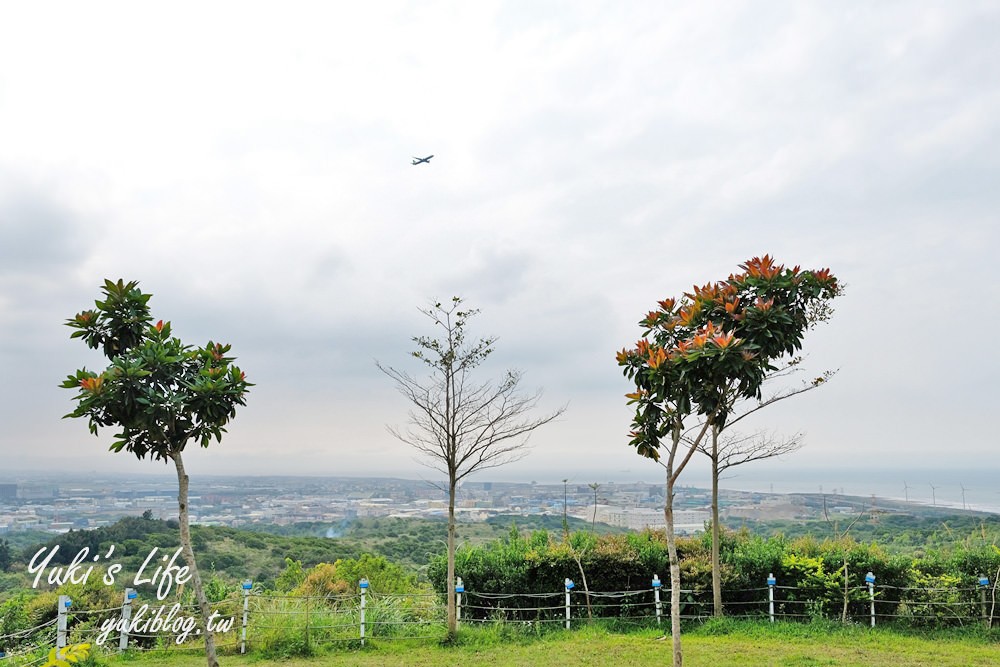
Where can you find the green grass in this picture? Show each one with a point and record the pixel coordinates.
(727, 643)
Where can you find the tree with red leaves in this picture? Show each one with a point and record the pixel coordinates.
(718, 341)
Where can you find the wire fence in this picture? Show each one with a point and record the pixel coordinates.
(291, 624)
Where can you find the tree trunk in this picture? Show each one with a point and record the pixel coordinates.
(716, 564)
(675, 573)
(188, 552)
(993, 597)
(583, 577)
(847, 591)
(450, 593)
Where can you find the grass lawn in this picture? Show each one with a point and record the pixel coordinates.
(725, 644)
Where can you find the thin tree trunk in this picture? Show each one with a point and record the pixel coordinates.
(716, 564)
(843, 616)
(583, 577)
(673, 472)
(579, 562)
(450, 593)
(675, 573)
(452, 449)
(993, 597)
(188, 551)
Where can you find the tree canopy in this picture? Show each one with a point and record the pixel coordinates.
(720, 338)
(160, 392)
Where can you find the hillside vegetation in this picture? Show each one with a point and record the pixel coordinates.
(897, 533)
(305, 588)
(259, 553)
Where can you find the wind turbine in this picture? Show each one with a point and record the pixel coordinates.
(933, 496)
(906, 491)
(963, 496)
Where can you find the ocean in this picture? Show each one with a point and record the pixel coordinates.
(974, 489)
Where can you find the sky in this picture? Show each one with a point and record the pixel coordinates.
(249, 164)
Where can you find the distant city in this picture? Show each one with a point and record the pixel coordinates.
(59, 504)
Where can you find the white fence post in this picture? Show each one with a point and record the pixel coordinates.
(130, 595)
(657, 584)
(247, 586)
(569, 586)
(459, 589)
(870, 580)
(771, 581)
(64, 604)
(364, 590)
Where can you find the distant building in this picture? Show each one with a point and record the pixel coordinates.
(637, 518)
(38, 492)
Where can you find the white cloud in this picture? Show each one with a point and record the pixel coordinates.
(250, 165)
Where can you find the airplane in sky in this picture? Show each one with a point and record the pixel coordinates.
(418, 160)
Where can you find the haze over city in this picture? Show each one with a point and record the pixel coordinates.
(252, 169)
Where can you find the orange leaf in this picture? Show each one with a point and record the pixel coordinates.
(657, 357)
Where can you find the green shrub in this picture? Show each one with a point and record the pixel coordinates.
(810, 575)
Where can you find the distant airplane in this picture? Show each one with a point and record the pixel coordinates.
(418, 160)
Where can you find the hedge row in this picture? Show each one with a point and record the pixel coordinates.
(805, 569)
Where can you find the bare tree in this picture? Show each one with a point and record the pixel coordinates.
(457, 424)
(728, 450)
(580, 553)
(840, 536)
(733, 450)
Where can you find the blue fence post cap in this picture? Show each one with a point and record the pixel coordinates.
(69, 603)
(132, 594)
(870, 578)
(656, 581)
(363, 583)
(569, 583)
(984, 581)
(247, 585)
(771, 581)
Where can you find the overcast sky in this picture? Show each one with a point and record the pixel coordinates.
(249, 163)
